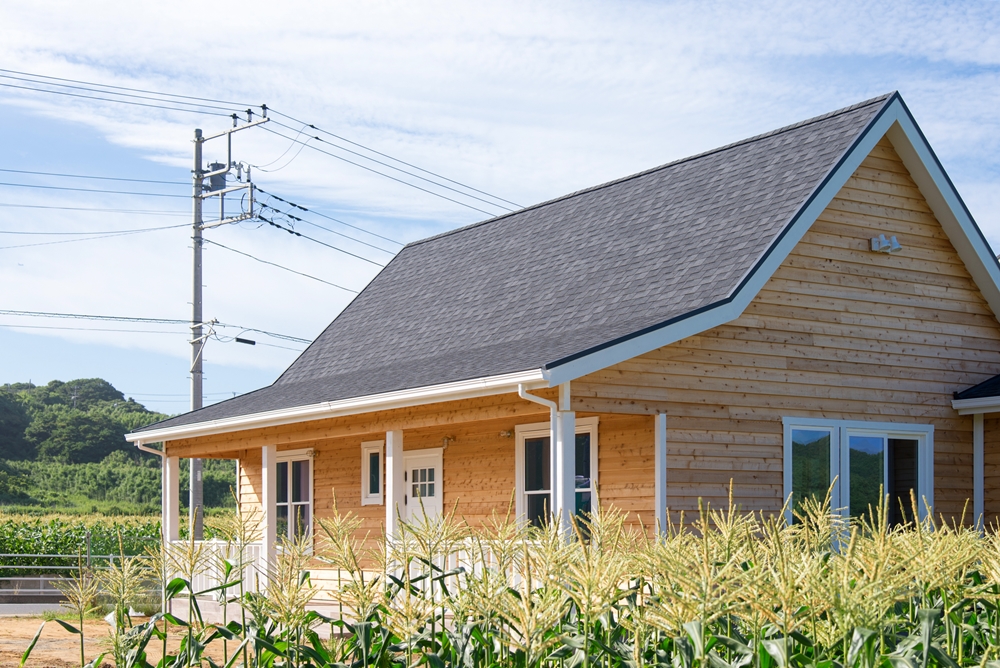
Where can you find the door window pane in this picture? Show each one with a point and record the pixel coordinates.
(810, 465)
(536, 464)
(903, 470)
(300, 525)
(537, 510)
(867, 462)
(282, 475)
(281, 527)
(300, 480)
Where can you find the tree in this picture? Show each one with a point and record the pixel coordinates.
(67, 434)
(14, 420)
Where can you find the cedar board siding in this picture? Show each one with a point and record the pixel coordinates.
(838, 332)
(991, 471)
(478, 469)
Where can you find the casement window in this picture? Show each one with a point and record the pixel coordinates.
(534, 475)
(295, 493)
(858, 459)
(372, 469)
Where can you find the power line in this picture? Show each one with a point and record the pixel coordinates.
(275, 264)
(84, 208)
(105, 232)
(375, 171)
(398, 169)
(321, 243)
(93, 88)
(127, 318)
(323, 215)
(339, 234)
(402, 162)
(134, 90)
(104, 99)
(100, 178)
(136, 331)
(93, 329)
(103, 236)
(91, 190)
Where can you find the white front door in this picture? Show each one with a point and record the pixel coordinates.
(423, 483)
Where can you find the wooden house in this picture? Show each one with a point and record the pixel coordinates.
(779, 313)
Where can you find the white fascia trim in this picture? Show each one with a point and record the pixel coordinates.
(463, 389)
(731, 308)
(979, 405)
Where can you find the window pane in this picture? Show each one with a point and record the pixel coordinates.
(430, 475)
(430, 487)
(281, 527)
(583, 462)
(903, 470)
(374, 479)
(300, 480)
(810, 465)
(301, 520)
(536, 464)
(537, 510)
(867, 464)
(582, 504)
(282, 475)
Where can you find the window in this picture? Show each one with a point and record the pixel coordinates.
(859, 459)
(371, 473)
(294, 494)
(534, 474)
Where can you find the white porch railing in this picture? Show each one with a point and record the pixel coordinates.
(213, 553)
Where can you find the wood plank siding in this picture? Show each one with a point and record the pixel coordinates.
(991, 471)
(838, 332)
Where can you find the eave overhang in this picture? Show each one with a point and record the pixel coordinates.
(463, 389)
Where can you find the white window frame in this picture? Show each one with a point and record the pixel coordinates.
(522, 432)
(289, 456)
(840, 433)
(367, 448)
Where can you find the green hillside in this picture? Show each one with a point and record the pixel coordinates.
(63, 450)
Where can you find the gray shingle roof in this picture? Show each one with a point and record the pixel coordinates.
(527, 289)
(988, 388)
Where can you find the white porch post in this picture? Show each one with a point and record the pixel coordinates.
(268, 501)
(395, 486)
(978, 468)
(660, 463)
(564, 474)
(170, 500)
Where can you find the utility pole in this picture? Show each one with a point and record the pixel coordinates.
(196, 494)
(217, 187)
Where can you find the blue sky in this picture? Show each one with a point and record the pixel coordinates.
(527, 101)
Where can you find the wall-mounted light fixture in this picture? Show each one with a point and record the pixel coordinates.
(882, 245)
(506, 433)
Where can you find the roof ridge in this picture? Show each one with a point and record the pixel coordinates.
(673, 163)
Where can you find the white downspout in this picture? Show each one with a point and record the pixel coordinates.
(553, 437)
(562, 455)
(169, 482)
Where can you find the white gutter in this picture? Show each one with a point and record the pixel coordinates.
(146, 448)
(979, 405)
(463, 389)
